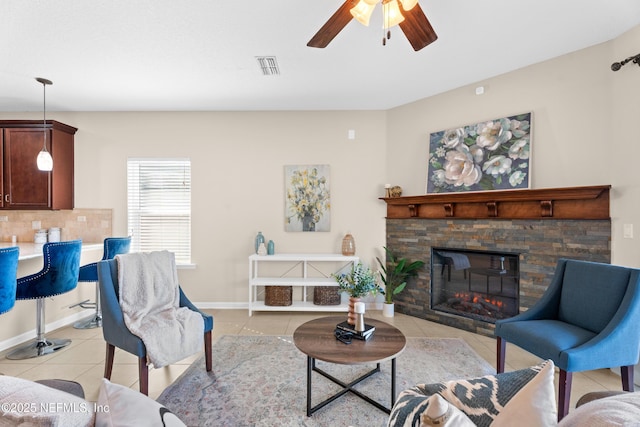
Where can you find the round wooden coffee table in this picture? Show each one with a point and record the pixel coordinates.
(317, 340)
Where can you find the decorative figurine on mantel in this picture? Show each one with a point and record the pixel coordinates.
(392, 191)
(395, 191)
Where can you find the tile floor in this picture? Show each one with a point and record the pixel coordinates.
(83, 360)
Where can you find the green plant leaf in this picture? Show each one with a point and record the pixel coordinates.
(395, 272)
(399, 288)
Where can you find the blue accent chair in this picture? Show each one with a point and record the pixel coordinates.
(115, 331)
(59, 275)
(89, 273)
(588, 318)
(8, 277)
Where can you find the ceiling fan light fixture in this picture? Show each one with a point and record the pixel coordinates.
(408, 4)
(391, 14)
(408, 14)
(363, 10)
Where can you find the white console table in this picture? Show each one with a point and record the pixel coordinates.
(303, 272)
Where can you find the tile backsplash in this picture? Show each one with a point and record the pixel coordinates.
(90, 225)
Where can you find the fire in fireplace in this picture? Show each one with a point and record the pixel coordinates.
(481, 285)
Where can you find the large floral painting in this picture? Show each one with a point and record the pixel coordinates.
(307, 198)
(490, 155)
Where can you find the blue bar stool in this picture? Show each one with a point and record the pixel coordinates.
(89, 273)
(8, 278)
(59, 275)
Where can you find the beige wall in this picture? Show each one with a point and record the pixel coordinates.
(584, 132)
(584, 126)
(238, 181)
(623, 140)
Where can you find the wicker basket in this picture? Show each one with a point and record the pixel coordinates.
(278, 295)
(326, 295)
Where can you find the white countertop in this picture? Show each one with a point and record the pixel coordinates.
(34, 250)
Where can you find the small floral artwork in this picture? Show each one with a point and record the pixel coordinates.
(307, 198)
(490, 155)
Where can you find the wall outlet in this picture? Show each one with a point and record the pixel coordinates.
(82, 218)
(4, 218)
(36, 225)
(627, 230)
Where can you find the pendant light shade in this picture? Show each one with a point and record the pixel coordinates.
(391, 14)
(408, 4)
(363, 10)
(44, 160)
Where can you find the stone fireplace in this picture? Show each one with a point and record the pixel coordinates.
(531, 229)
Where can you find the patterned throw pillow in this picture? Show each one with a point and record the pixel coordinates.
(526, 396)
(441, 413)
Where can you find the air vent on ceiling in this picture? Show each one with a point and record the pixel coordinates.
(269, 65)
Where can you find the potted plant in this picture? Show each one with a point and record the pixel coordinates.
(394, 276)
(358, 283)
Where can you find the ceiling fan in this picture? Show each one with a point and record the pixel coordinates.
(406, 13)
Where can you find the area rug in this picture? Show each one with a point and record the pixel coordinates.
(261, 381)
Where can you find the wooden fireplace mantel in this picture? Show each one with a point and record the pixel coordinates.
(553, 203)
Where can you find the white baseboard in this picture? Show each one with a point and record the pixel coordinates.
(29, 335)
(222, 305)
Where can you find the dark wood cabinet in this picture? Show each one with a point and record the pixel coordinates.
(23, 185)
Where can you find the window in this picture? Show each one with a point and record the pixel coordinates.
(159, 206)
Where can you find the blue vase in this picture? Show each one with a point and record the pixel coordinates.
(259, 239)
(271, 248)
(307, 223)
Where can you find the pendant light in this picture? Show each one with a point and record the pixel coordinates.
(45, 161)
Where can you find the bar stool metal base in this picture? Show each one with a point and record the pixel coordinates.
(41, 345)
(94, 321)
(38, 348)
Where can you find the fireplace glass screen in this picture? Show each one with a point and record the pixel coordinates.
(479, 285)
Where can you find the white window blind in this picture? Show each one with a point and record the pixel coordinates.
(159, 206)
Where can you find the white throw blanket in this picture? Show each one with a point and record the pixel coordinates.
(150, 302)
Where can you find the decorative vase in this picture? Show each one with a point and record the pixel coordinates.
(259, 239)
(351, 315)
(271, 248)
(307, 223)
(388, 309)
(348, 245)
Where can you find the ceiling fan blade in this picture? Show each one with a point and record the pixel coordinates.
(417, 28)
(333, 26)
